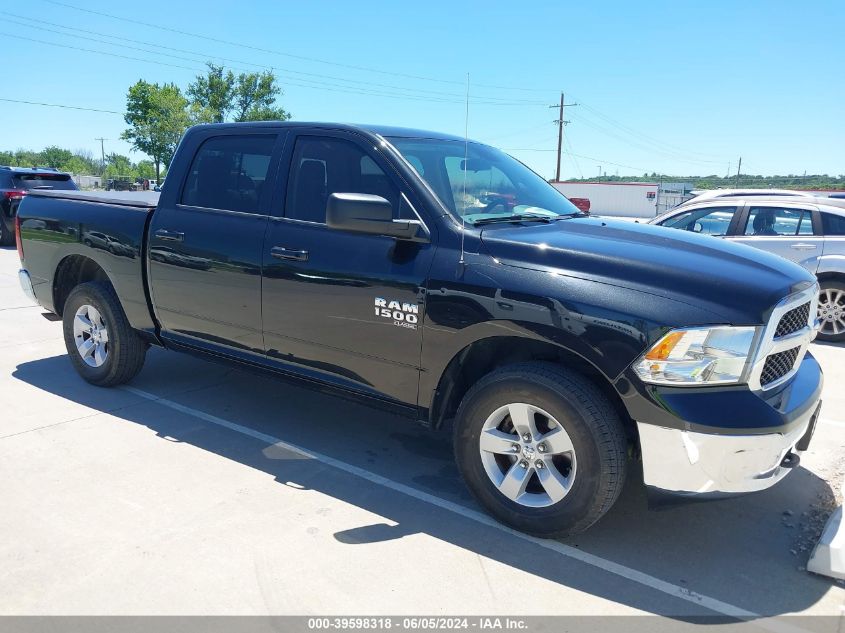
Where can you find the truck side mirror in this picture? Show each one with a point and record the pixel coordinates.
(366, 213)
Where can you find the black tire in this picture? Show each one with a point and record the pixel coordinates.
(830, 285)
(126, 350)
(594, 428)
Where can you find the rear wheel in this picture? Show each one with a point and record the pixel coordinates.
(541, 448)
(102, 346)
(832, 311)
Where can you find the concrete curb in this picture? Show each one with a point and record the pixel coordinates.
(828, 556)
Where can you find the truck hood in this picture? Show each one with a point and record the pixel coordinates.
(738, 284)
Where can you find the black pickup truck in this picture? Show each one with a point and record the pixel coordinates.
(444, 279)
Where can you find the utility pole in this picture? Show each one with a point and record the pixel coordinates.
(560, 123)
(738, 168)
(102, 155)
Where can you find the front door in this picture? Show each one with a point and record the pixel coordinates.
(344, 307)
(206, 243)
(788, 230)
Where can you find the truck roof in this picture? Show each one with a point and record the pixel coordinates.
(381, 130)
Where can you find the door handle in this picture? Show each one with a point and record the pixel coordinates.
(803, 247)
(280, 252)
(170, 236)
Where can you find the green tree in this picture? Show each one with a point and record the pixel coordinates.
(157, 116)
(7, 158)
(118, 165)
(212, 94)
(54, 156)
(255, 98)
(219, 95)
(146, 169)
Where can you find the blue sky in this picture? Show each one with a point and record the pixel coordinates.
(675, 87)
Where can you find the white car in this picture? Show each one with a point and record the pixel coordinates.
(805, 229)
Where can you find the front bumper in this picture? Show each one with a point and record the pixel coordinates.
(683, 461)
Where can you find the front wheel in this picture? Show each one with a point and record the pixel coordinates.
(102, 346)
(541, 448)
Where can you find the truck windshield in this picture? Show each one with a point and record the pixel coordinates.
(481, 184)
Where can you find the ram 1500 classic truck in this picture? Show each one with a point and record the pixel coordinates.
(444, 279)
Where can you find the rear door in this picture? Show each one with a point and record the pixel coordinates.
(790, 230)
(344, 307)
(206, 241)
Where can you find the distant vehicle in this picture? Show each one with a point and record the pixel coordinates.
(119, 184)
(583, 204)
(15, 182)
(838, 195)
(158, 186)
(805, 229)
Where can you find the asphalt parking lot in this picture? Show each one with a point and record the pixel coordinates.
(205, 490)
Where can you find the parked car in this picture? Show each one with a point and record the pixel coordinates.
(96, 239)
(810, 231)
(368, 261)
(15, 183)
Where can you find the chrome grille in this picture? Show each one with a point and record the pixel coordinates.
(784, 339)
(779, 365)
(793, 320)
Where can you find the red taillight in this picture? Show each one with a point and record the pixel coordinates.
(18, 237)
(14, 194)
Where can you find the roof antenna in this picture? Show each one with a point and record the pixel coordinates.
(466, 156)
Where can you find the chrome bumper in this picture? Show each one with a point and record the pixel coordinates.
(687, 463)
(26, 285)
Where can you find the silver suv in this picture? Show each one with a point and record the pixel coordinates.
(808, 230)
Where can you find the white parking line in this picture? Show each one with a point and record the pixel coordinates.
(622, 571)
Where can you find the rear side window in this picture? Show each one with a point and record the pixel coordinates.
(709, 221)
(323, 166)
(833, 224)
(229, 172)
(772, 221)
(43, 181)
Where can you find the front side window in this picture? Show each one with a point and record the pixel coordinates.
(709, 221)
(229, 173)
(774, 221)
(477, 182)
(322, 166)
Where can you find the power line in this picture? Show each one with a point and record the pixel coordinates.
(136, 22)
(59, 105)
(206, 56)
(297, 82)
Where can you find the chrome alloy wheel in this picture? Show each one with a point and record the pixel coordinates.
(527, 455)
(832, 311)
(91, 336)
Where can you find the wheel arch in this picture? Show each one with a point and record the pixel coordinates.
(72, 271)
(487, 354)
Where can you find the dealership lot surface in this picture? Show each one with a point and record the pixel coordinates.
(201, 489)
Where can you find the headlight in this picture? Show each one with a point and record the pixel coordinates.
(698, 356)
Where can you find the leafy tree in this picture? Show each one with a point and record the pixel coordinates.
(219, 95)
(54, 157)
(118, 165)
(212, 94)
(7, 158)
(145, 169)
(157, 116)
(255, 98)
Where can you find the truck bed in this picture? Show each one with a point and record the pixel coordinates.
(61, 227)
